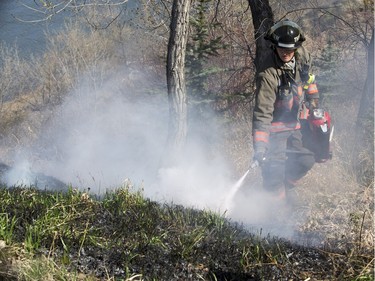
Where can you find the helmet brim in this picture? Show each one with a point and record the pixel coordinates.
(287, 46)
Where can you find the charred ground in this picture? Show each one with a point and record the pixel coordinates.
(122, 236)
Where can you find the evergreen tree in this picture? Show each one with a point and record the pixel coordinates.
(199, 49)
(328, 64)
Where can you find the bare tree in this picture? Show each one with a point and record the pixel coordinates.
(365, 122)
(176, 75)
(262, 19)
(366, 108)
(356, 24)
(46, 9)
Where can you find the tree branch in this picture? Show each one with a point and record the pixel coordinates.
(51, 10)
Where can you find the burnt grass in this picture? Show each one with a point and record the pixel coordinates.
(122, 234)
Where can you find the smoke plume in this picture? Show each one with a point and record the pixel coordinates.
(103, 137)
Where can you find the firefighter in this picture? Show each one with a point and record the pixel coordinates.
(285, 91)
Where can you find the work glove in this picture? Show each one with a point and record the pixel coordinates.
(259, 158)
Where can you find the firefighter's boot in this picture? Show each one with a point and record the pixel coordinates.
(291, 195)
(278, 196)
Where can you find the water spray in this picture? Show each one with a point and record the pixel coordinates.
(228, 201)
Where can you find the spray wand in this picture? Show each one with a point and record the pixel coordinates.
(233, 191)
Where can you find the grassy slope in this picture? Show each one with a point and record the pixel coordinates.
(74, 236)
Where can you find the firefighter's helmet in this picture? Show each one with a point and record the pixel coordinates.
(285, 34)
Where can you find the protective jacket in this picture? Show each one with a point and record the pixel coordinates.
(283, 94)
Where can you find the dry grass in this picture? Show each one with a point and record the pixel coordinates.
(74, 236)
(338, 212)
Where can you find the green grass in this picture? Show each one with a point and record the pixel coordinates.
(123, 236)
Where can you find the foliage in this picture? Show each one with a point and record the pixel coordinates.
(328, 63)
(200, 48)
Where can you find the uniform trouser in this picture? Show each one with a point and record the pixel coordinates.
(284, 168)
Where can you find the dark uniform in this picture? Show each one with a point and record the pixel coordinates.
(284, 94)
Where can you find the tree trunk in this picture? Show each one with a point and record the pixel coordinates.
(365, 125)
(176, 76)
(262, 20)
(366, 108)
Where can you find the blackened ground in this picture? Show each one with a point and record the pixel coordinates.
(228, 253)
(123, 235)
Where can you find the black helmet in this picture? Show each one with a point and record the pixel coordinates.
(285, 34)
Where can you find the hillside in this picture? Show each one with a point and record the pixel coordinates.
(121, 236)
(85, 194)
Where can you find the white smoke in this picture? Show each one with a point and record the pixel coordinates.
(197, 181)
(104, 138)
(100, 138)
(21, 175)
